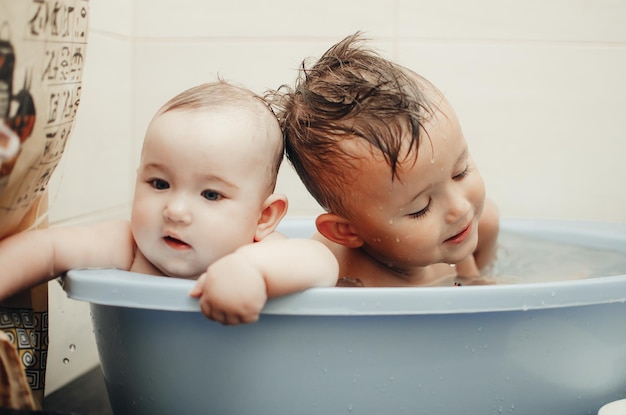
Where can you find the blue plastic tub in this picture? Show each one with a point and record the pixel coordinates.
(552, 347)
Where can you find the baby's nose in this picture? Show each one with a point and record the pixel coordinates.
(177, 210)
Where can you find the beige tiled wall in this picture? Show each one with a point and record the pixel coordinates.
(539, 87)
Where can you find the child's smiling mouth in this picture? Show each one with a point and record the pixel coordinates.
(461, 236)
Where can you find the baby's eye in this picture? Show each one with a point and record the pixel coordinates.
(211, 195)
(159, 184)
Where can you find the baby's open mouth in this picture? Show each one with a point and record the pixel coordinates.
(175, 243)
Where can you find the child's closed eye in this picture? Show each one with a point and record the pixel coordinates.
(466, 170)
(421, 213)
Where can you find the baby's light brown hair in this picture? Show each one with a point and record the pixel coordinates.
(350, 95)
(223, 94)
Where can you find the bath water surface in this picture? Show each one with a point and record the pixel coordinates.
(523, 258)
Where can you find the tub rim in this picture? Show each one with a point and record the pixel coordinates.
(111, 287)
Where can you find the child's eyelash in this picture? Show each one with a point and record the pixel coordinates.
(464, 173)
(421, 213)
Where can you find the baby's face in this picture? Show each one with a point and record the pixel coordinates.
(429, 214)
(200, 187)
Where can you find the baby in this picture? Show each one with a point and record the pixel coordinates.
(204, 206)
(381, 149)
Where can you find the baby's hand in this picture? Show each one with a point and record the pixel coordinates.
(231, 291)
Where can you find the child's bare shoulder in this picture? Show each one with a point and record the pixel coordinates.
(490, 219)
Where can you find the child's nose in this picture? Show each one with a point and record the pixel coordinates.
(177, 210)
(458, 208)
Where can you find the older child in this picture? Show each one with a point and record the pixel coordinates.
(382, 151)
(203, 196)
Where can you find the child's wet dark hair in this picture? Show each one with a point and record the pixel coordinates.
(350, 93)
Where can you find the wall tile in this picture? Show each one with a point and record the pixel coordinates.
(112, 16)
(95, 171)
(70, 325)
(275, 18)
(533, 20)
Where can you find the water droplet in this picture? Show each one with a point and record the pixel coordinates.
(350, 407)
(66, 360)
(391, 221)
(432, 161)
(72, 347)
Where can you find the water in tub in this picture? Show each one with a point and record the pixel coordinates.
(521, 259)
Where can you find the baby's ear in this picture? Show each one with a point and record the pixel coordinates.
(338, 230)
(273, 210)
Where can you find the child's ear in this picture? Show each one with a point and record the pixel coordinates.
(273, 210)
(338, 230)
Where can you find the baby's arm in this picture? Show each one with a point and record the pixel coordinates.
(235, 288)
(34, 257)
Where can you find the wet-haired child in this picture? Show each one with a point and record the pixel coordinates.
(381, 150)
(204, 206)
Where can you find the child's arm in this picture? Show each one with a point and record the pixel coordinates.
(469, 269)
(488, 230)
(33, 257)
(235, 288)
